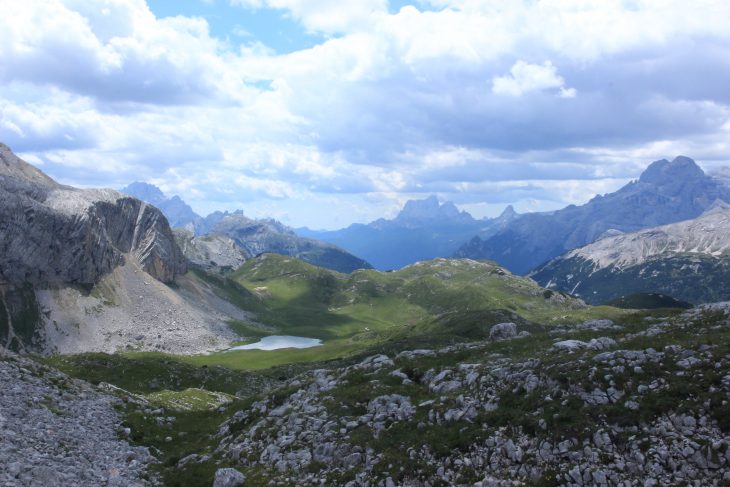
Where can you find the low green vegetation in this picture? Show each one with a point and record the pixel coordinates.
(186, 399)
(191, 399)
(151, 373)
(444, 300)
(174, 435)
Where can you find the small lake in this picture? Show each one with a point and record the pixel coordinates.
(276, 342)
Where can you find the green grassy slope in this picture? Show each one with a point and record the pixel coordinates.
(349, 312)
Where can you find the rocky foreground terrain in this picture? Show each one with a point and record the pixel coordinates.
(642, 400)
(56, 431)
(601, 403)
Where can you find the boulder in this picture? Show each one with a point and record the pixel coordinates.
(228, 477)
(503, 331)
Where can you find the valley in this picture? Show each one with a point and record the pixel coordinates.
(372, 243)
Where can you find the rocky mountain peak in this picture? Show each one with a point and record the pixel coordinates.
(178, 213)
(663, 172)
(146, 192)
(11, 165)
(420, 209)
(429, 209)
(507, 214)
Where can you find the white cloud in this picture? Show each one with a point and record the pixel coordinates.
(525, 78)
(326, 16)
(115, 50)
(385, 107)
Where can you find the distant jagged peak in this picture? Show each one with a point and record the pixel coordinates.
(507, 214)
(237, 221)
(662, 172)
(231, 216)
(145, 191)
(419, 209)
(429, 209)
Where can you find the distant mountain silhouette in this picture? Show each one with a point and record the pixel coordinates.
(252, 236)
(424, 229)
(667, 192)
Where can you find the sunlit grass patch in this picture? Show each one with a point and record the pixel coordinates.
(192, 399)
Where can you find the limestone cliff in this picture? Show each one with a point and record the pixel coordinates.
(53, 235)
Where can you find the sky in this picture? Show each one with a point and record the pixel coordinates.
(322, 113)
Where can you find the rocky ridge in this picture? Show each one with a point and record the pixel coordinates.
(686, 260)
(210, 252)
(667, 192)
(708, 234)
(55, 235)
(210, 235)
(255, 237)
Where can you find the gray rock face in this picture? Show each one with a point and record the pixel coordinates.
(667, 192)
(687, 260)
(228, 477)
(210, 252)
(13, 167)
(52, 235)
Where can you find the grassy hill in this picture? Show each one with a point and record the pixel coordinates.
(456, 300)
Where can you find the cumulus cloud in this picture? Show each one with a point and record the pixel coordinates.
(481, 101)
(525, 77)
(114, 50)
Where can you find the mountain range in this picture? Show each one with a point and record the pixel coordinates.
(179, 214)
(252, 236)
(666, 192)
(424, 229)
(688, 260)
